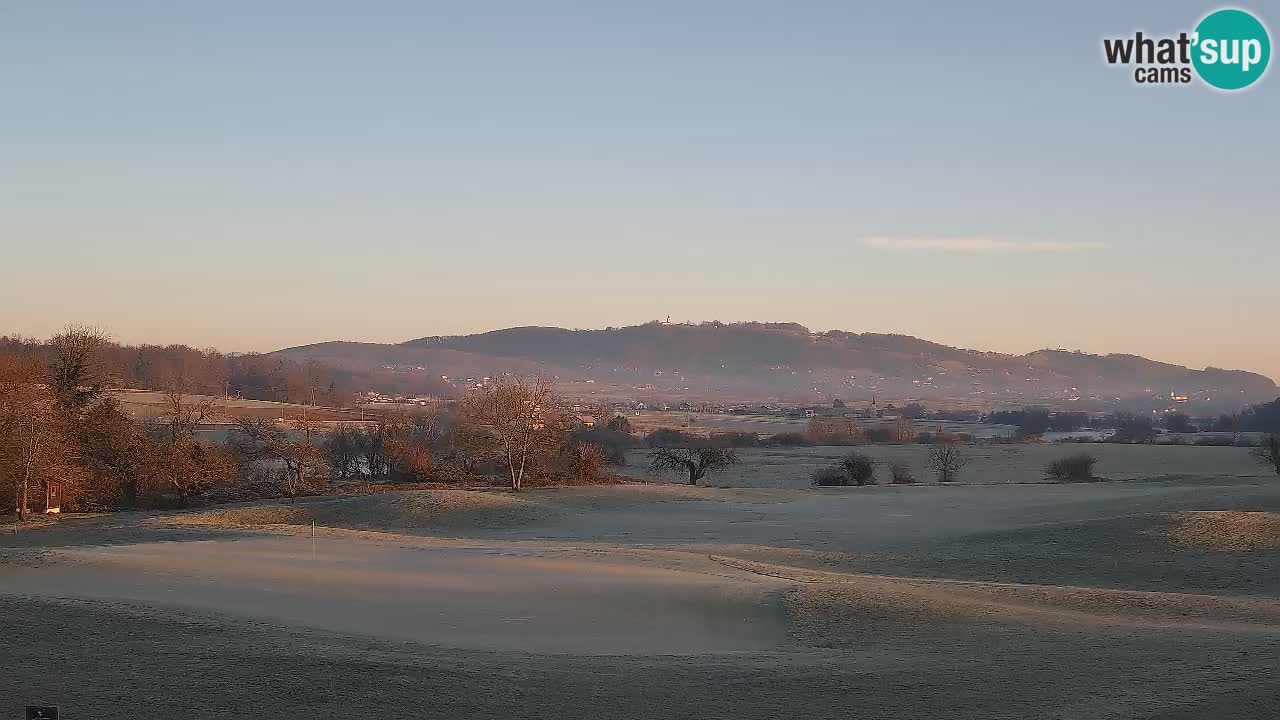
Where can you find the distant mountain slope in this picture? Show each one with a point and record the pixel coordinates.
(763, 360)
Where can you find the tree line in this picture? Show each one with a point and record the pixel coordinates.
(61, 430)
(99, 362)
(253, 376)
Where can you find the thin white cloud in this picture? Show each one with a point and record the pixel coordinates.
(979, 246)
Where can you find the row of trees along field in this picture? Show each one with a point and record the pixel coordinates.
(60, 430)
(154, 367)
(251, 376)
(1135, 427)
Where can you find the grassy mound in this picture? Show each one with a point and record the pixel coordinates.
(395, 512)
(443, 509)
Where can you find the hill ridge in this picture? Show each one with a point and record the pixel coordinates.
(754, 360)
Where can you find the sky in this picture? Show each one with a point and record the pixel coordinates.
(251, 176)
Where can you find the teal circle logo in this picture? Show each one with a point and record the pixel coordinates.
(1231, 49)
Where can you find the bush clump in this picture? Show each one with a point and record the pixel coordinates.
(830, 476)
(900, 474)
(586, 461)
(735, 439)
(615, 444)
(879, 435)
(860, 468)
(1072, 468)
(787, 439)
(1215, 441)
(835, 431)
(670, 437)
(1267, 451)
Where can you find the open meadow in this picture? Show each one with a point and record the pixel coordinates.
(1148, 598)
(702, 423)
(793, 467)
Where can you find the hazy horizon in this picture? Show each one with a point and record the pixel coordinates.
(251, 178)
(396, 340)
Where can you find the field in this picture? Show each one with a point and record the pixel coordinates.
(144, 404)
(1152, 598)
(646, 421)
(792, 467)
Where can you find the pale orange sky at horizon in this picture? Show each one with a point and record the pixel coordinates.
(996, 341)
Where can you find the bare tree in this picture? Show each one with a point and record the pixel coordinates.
(586, 461)
(697, 461)
(466, 443)
(860, 468)
(41, 451)
(1268, 451)
(314, 377)
(186, 467)
(836, 431)
(178, 458)
(36, 446)
(371, 445)
(407, 446)
(113, 450)
(523, 418)
(946, 461)
(904, 430)
(342, 451)
(185, 412)
(260, 439)
(78, 375)
(620, 424)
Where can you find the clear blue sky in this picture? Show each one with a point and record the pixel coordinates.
(252, 175)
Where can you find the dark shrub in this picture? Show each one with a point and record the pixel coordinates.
(1133, 429)
(1072, 468)
(1214, 441)
(735, 439)
(614, 444)
(900, 474)
(879, 435)
(668, 437)
(860, 468)
(831, 476)
(1267, 451)
(1035, 421)
(1176, 422)
(835, 431)
(585, 461)
(787, 439)
(928, 438)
